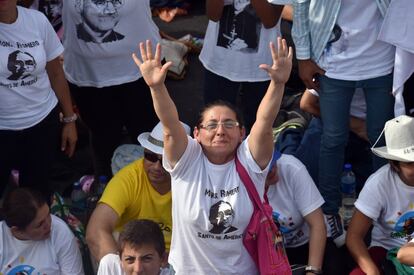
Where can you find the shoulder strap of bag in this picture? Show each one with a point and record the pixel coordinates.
(252, 191)
(248, 183)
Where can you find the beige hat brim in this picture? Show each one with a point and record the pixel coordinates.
(383, 153)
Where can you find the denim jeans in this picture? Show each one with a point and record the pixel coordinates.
(304, 144)
(335, 100)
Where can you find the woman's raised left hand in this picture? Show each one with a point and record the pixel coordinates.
(279, 72)
(151, 69)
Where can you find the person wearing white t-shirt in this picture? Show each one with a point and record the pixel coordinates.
(296, 206)
(385, 200)
(203, 169)
(32, 83)
(99, 37)
(33, 241)
(141, 251)
(235, 45)
(338, 52)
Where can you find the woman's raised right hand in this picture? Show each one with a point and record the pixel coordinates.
(151, 69)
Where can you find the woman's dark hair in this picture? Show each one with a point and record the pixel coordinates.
(239, 116)
(139, 232)
(20, 207)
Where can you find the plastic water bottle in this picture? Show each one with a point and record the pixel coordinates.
(102, 182)
(348, 193)
(78, 198)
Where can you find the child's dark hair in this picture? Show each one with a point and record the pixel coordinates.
(20, 207)
(139, 232)
(223, 103)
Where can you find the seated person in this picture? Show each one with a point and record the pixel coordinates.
(296, 204)
(304, 144)
(141, 249)
(33, 241)
(385, 200)
(141, 190)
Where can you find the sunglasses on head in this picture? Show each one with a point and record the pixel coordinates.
(152, 157)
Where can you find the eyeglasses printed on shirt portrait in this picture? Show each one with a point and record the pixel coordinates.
(103, 3)
(212, 125)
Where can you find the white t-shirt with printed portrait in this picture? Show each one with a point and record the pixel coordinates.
(91, 60)
(388, 201)
(211, 210)
(237, 44)
(293, 197)
(25, 91)
(58, 254)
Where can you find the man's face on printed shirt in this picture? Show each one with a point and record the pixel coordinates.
(101, 15)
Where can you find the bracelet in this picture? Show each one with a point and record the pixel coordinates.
(313, 269)
(69, 119)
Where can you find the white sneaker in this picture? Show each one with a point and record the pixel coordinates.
(335, 229)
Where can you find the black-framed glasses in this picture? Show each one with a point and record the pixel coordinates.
(152, 157)
(213, 125)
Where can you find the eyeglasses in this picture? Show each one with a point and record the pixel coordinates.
(102, 3)
(213, 125)
(152, 157)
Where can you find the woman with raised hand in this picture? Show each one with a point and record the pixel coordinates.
(212, 208)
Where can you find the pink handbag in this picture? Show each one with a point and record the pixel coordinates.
(262, 238)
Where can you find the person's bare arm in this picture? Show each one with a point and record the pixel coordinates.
(406, 254)
(214, 9)
(317, 237)
(175, 137)
(357, 230)
(287, 13)
(99, 231)
(60, 87)
(268, 13)
(310, 103)
(261, 135)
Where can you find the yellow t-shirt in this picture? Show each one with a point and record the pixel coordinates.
(132, 196)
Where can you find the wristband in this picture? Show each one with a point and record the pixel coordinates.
(69, 119)
(313, 269)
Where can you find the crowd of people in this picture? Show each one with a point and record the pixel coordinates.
(183, 208)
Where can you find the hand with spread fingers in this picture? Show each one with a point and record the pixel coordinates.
(279, 72)
(150, 65)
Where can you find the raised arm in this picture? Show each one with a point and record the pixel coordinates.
(261, 136)
(175, 137)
